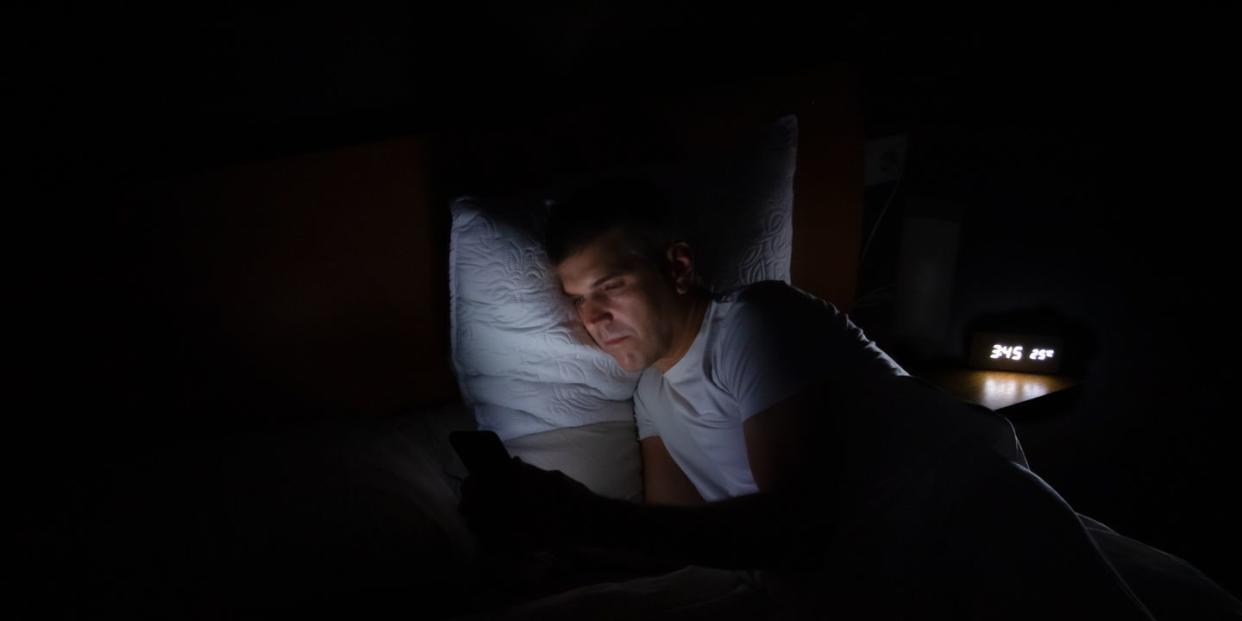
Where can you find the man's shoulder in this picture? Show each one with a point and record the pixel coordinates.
(775, 298)
(778, 315)
(648, 381)
(794, 321)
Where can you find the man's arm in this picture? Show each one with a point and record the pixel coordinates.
(664, 482)
(785, 524)
(792, 445)
(781, 525)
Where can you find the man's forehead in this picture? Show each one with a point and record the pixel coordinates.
(584, 273)
(597, 260)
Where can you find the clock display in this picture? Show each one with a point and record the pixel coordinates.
(1042, 354)
(1016, 352)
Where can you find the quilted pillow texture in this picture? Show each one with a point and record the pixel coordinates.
(523, 362)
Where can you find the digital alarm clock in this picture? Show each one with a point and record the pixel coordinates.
(1024, 353)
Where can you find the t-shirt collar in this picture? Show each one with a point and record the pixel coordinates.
(685, 366)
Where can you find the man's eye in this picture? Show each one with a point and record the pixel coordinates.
(616, 284)
(578, 301)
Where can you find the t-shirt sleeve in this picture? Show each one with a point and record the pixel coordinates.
(642, 419)
(779, 340)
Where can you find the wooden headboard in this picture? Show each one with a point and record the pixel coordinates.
(319, 281)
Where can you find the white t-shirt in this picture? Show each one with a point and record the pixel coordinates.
(757, 345)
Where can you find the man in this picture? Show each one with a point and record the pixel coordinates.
(717, 368)
(775, 435)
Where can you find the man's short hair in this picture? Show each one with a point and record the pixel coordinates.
(637, 208)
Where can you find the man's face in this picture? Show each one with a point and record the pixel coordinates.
(622, 301)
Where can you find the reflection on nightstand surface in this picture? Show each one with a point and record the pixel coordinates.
(997, 390)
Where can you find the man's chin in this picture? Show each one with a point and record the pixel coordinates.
(629, 364)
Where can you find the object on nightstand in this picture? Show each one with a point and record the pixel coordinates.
(1016, 352)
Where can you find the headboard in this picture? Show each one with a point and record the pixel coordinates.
(319, 281)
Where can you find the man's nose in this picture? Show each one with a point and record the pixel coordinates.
(593, 312)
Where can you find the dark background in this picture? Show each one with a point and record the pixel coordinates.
(1082, 155)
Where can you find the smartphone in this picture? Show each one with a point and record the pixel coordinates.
(481, 451)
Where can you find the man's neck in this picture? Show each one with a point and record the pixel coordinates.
(689, 322)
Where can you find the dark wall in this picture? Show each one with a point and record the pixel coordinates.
(119, 101)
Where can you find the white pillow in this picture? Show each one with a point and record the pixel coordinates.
(741, 220)
(523, 362)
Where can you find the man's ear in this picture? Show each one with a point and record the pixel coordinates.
(680, 264)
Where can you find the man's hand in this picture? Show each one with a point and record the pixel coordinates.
(527, 506)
